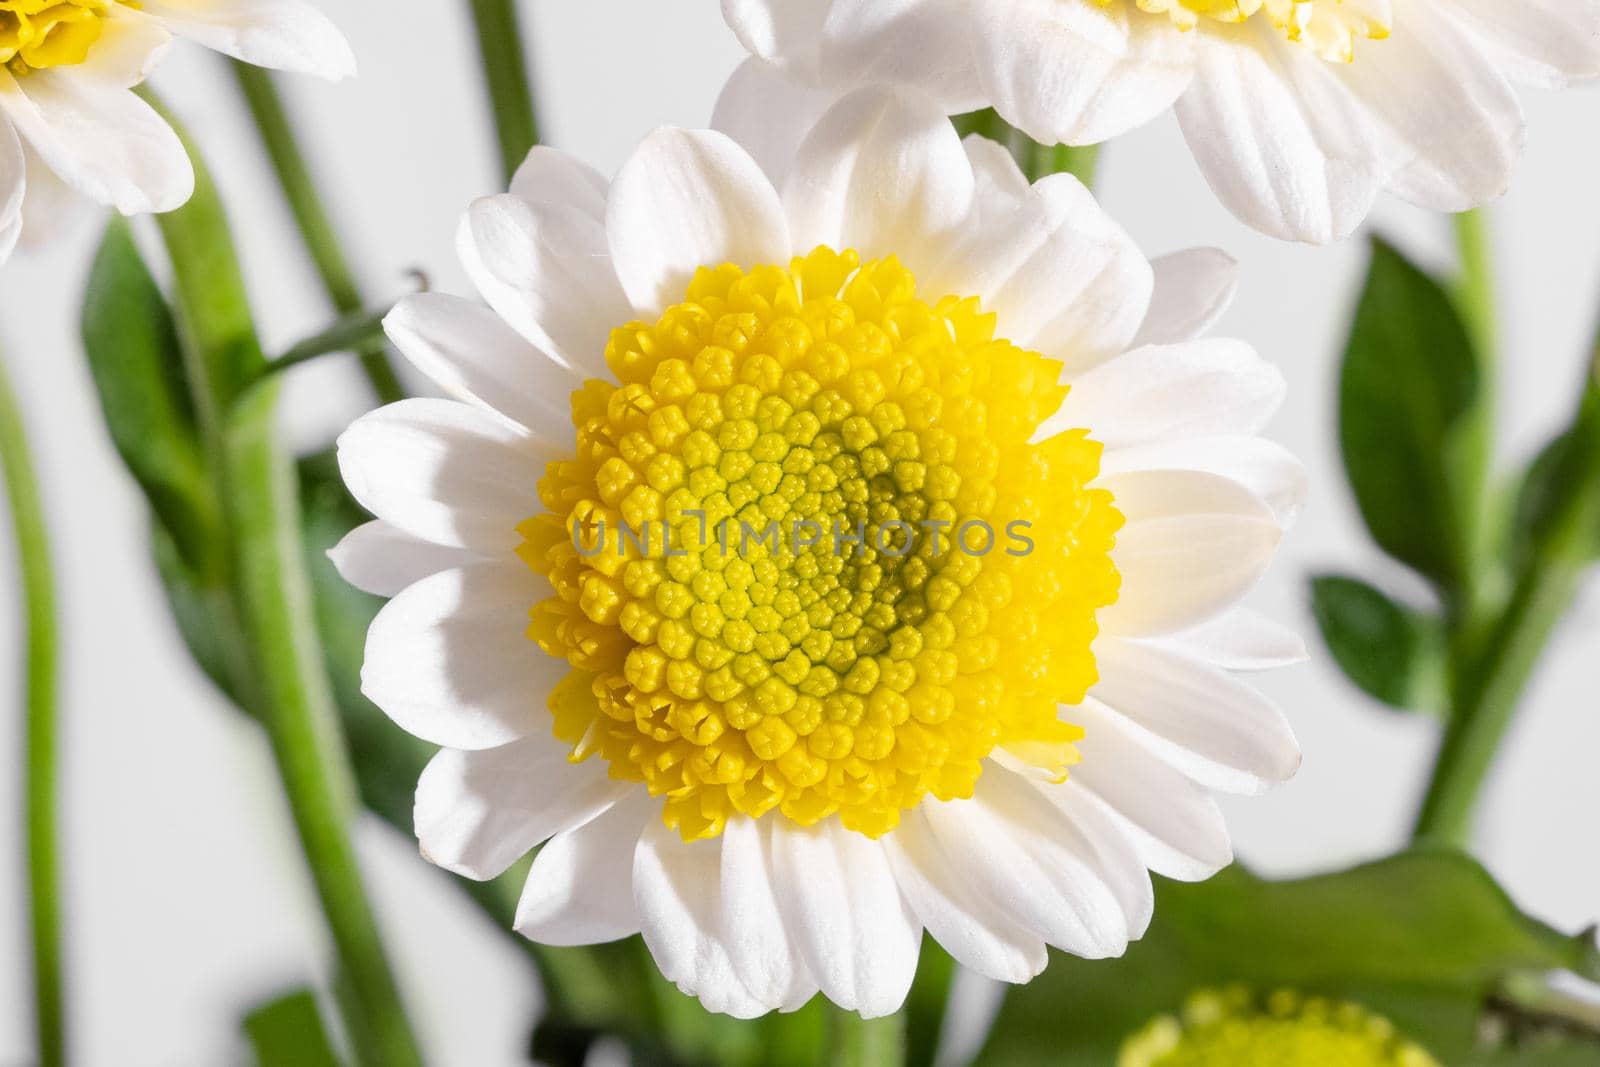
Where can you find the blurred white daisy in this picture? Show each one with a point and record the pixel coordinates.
(1298, 111)
(781, 751)
(68, 119)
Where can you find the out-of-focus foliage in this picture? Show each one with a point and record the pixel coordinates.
(1424, 938)
(289, 1032)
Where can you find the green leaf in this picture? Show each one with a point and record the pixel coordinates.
(1422, 938)
(1395, 654)
(137, 364)
(1412, 421)
(1539, 498)
(289, 1032)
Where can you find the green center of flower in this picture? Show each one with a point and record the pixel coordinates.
(807, 560)
(1232, 1029)
(39, 34)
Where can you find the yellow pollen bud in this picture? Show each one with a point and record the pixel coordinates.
(1329, 27)
(39, 34)
(1233, 1028)
(782, 551)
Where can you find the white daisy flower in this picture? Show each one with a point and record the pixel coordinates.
(1298, 111)
(68, 117)
(822, 550)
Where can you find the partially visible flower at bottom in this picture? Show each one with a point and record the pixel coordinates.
(68, 117)
(782, 751)
(1234, 1028)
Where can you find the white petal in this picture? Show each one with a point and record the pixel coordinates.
(546, 269)
(1215, 729)
(882, 173)
(1079, 72)
(104, 142)
(1264, 467)
(1279, 140)
(450, 662)
(1547, 43)
(972, 928)
(1064, 279)
(1016, 853)
(477, 813)
(925, 44)
(1101, 843)
(287, 35)
(996, 172)
(786, 33)
(846, 914)
(769, 115)
(1193, 545)
(52, 209)
(129, 48)
(1240, 640)
(677, 886)
(473, 355)
(445, 472)
(380, 559)
(550, 176)
(753, 928)
(1452, 125)
(689, 199)
(580, 890)
(1192, 290)
(13, 186)
(1173, 822)
(1172, 392)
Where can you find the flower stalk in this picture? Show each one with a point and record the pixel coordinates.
(284, 679)
(505, 72)
(41, 686)
(311, 216)
(857, 1042)
(1490, 676)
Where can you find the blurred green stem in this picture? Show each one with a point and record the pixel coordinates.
(296, 704)
(1036, 160)
(505, 72)
(1474, 287)
(352, 331)
(316, 228)
(1044, 160)
(1488, 677)
(857, 1042)
(38, 589)
(285, 681)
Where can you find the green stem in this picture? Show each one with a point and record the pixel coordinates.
(261, 498)
(505, 72)
(38, 588)
(1488, 679)
(1474, 287)
(316, 228)
(284, 680)
(1041, 161)
(857, 1042)
(352, 331)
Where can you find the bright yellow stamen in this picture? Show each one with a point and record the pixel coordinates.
(38, 34)
(815, 674)
(1232, 1029)
(1329, 27)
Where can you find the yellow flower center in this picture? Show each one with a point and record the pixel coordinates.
(1232, 1029)
(38, 34)
(805, 557)
(1329, 27)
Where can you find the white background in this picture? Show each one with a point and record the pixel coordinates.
(186, 901)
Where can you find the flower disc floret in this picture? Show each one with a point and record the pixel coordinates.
(38, 34)
(1330, 27)
(1231, 1028)
(806, 558)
